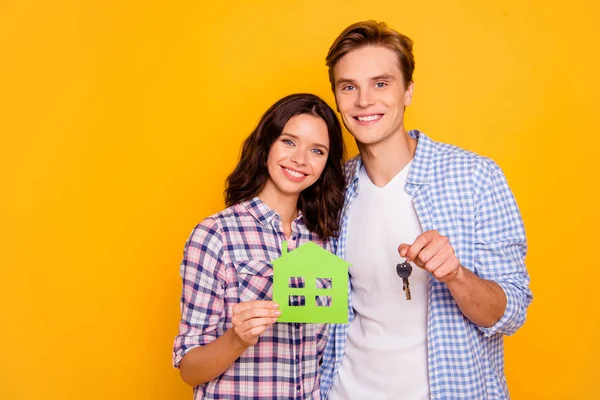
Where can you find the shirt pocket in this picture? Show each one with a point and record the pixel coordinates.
(255, 280)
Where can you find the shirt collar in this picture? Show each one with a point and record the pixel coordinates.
(263, 213)
(426, 151)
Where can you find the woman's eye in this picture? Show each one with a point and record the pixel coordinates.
(318, 152)
(288, 142)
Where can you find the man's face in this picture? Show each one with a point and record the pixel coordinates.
(370, 94)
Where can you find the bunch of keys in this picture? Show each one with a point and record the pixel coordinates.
(403, 270)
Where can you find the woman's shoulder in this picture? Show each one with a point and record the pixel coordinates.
(228, 213)
(220, 222)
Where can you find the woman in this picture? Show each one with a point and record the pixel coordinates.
(288, 186)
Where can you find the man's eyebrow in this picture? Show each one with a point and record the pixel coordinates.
(343, 81)
(381, 77)
(291, 135)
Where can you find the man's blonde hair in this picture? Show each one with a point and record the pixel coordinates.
(372, 33)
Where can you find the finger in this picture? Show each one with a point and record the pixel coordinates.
(434, 263)
(447, 271)
(438, 259)
(254, 327)
(403, 249)
(252, 333)
(432, 243)
(437, 245)
(256, 322)
(420, 242)
(247, 305)
(254, 313)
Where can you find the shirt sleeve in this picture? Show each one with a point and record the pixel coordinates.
(203, 290)
(500, 248)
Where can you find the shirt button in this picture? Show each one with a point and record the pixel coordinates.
(293, 237)
(297, 359)
(297, 326)
(298, 388)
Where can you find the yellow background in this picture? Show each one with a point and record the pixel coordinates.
(120, 120)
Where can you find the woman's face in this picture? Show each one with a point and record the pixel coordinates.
(298, 156)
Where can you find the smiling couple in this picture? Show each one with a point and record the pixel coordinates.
(405, 198)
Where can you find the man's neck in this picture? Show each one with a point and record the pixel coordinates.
(384, 160)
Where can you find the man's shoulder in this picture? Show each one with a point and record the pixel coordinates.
(350, 167)
(453, 153)
(451, 158)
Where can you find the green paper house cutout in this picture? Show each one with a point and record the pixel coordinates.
(317, 267)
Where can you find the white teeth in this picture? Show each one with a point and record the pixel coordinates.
(369, 118)
(294, 173)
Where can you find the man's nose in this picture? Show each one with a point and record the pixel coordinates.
(364, 98)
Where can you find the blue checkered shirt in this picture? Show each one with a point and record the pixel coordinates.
(466, 198)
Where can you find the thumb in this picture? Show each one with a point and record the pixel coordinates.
(403, 249)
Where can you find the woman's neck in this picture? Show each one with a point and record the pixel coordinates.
(285, 206)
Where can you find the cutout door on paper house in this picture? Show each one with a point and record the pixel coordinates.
(310, 284)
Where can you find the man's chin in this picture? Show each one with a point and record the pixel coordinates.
(369, 138)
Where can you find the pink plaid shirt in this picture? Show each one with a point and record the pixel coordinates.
(227, 260)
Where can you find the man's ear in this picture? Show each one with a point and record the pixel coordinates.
(409, 94)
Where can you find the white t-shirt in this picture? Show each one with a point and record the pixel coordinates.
(386, 351)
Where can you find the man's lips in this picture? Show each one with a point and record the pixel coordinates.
(368, 119)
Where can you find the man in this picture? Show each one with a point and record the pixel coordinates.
(446, 211)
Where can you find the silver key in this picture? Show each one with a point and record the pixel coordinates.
(404, 270)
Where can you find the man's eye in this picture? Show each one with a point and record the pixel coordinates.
(381, 84)
(348, 87)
